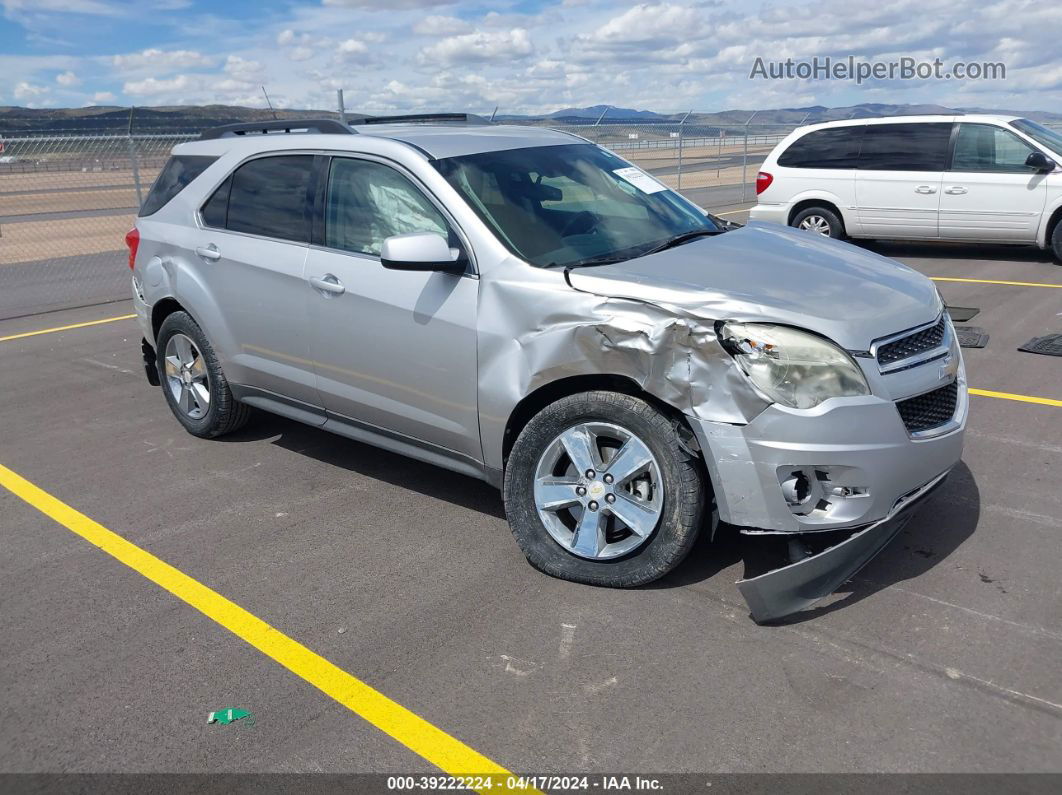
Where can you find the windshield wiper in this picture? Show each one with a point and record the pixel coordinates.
(685, 237)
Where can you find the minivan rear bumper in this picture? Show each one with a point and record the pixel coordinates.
(775, 213)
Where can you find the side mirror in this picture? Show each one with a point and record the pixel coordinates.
(421, 251)
(1040, 162)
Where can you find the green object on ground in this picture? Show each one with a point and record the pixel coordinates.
(228, 715)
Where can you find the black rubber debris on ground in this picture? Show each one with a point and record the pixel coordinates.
(1051, 345)
(960, 314)
(971, 336)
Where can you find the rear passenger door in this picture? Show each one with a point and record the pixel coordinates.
(989, 193)
(826, 160)
(898, 180)
(252, 255)
(394, 350)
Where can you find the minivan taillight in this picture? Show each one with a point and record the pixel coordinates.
(132, 239)
(763, 181)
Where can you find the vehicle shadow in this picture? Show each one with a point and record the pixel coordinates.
(963, 251)
(372, 462)
(941, 525)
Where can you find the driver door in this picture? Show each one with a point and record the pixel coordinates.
(393, 350)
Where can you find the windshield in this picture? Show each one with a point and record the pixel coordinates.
(571, 204)
(1052, 139)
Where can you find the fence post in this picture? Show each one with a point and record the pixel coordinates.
(133, 159)
(745, 157)
(679, 181)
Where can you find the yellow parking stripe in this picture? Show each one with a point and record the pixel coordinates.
(25, 334)
(994, 281)
(1010, 396)
(412, 731)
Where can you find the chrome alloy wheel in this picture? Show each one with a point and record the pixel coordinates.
(187, 377)
(817, 224)
(598, 491)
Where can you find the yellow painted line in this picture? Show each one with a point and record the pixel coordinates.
(25, 334)
(1010, 396)
(731, 212)
(408, 728)
(994, 281)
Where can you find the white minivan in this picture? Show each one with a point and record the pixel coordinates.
(971, 178)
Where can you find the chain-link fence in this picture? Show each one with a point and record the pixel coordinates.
(66, 202)
(67, 199)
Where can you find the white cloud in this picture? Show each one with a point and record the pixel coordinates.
(25, 91)
(242, 69)
(67, 79)
(436, 25)
(152, 86)
(103, 96)
(161, 60)
(352, 47)
(479, 46)
(300, 53)
(387, 5)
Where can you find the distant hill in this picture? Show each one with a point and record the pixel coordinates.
(194, 118)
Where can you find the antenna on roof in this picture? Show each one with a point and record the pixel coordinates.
(270, 104)
(493, 113)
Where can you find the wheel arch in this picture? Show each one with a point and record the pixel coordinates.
(543, 396)
(1053, 220)
(816, 201)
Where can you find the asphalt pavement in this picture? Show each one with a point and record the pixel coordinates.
(941, 655)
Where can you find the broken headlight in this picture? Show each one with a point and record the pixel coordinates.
(795, 368)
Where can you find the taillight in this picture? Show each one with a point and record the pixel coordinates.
(132, 239)
(763, 181)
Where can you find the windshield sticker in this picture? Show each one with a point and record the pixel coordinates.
(640, 179)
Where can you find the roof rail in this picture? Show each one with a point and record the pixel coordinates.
(424, 118)
(322, 126)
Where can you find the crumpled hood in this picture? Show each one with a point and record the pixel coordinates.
(774, 273)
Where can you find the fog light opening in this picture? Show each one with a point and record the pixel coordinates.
(796, 489)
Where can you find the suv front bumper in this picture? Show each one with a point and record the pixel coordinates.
(848, 464)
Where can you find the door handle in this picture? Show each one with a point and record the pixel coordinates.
(328, 284)
(209, 253)
(925, 189)
(956, 190)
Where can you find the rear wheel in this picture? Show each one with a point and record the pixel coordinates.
(600, 489)
(192, 381)
(820, 220)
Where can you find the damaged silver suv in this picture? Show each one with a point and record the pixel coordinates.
(522, 306)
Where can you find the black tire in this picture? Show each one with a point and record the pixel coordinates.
(1056, 241)
(225, 414)
(834, 223)
(685, 493)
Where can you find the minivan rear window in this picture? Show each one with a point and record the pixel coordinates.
(905, 147)
(835, 147)
(175, 176)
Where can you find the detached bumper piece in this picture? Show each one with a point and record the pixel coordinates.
(785, 591)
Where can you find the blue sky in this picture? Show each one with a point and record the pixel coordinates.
(521, 55)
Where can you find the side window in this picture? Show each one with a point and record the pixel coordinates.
(269, 197)
(985, 147)
(905, 147)
(216, 211)
(836, 147)
(368, 202)
(174, 177)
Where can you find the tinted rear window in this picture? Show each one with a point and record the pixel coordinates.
(174, 177)
(905, 147)
(270, 197)
(837, 147)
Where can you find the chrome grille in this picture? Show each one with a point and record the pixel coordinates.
(913, 344)
(930, 410)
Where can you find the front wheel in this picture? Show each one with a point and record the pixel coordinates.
(600, 489)
(820, 220)
(1056, 242)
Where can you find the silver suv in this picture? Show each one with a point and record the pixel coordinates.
(522, 306)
